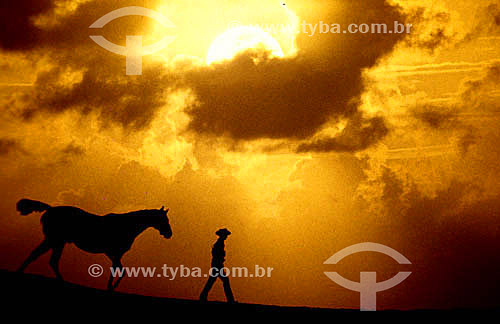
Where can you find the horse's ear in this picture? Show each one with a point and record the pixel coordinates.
(162, 208)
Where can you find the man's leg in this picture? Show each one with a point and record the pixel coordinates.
(208, 286)
(227, 289)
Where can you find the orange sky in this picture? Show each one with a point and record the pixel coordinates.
(346, 138)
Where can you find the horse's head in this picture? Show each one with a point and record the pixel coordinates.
(162, 224)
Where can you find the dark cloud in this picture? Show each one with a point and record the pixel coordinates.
(436, 116)
(279, 99)
(103, 87)
(296, 97)
(68, 30)
(467, 140)
(447, 120)
(487, 22)
(433, 29)
(7, 146)
(126, 101)
(476, 92)
(276, 99)
(18, 31)
(430, 29)
(457, 119)
(492, 20)
(474, 99)
(73, 149)
(358, 135)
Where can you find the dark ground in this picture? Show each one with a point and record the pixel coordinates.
(34, 295)
(29, 291)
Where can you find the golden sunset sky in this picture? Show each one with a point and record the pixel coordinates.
(300, 144)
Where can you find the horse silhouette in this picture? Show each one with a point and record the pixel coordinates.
(112, 234)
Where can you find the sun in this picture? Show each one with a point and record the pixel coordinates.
(238, 39)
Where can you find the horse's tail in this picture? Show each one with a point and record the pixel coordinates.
(28, 206)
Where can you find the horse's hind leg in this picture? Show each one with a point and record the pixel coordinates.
(117, 269)
(35, 254)
(54, 259)
(119, 265)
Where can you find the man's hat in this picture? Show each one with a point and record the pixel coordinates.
(223, 232)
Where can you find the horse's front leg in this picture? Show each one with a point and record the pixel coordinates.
(119, 265)
(110, 282)
(117, 269)
(54, 259)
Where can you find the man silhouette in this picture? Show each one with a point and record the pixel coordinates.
(218, 258)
